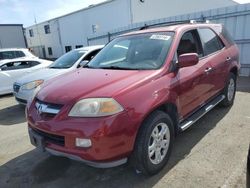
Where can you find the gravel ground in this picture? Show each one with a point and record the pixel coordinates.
(212, 153)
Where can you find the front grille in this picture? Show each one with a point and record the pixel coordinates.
(16, 88)
(47, 110)
(50, 138)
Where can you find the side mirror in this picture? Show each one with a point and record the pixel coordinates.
(83, 63)
(187, 60)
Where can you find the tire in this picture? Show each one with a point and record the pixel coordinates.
(229, 91)
(146, 138)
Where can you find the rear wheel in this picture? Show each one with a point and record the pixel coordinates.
(154, 143)
(229, 91)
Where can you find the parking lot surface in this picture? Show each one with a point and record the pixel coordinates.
(212, 153)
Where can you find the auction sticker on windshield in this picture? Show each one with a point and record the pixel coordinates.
(160, 37)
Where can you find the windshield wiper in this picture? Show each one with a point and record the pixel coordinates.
(58, 67)
(118, 68)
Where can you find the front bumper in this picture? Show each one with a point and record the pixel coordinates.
(22, 96)
(38, 142)
(112, 137)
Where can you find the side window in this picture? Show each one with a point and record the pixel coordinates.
(190, 43)
(20, 54)
(91, 55)
(33, 63)
(15, 65)
(7, 55)
(211, 42)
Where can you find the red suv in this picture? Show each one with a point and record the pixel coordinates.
(135, 96)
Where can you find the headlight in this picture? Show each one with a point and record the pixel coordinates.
(95, 107)
(32, 85)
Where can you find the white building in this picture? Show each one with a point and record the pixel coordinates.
(145, 10)
(12, 36)
(54, 37)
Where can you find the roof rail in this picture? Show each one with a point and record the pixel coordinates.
(174, 23)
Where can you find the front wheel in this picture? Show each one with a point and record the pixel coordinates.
(154, 143)
(229, 91)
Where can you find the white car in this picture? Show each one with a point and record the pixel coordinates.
(12, 69)
(13, 53)
(26, 87)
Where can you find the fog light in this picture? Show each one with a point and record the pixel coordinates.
(81, 142)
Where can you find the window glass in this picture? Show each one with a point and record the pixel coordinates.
(33, 63)
(190, 43)
(211, 42)
(7, 55)
(15, 65)
(136, 52)
(68, 48)
(79, 46)
(47, 29)
(31, 32)
(50, 51)
(67, 60)
(19, 54)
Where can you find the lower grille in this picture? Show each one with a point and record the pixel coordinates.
(50, 138)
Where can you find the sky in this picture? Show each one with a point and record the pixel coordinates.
(25, 11)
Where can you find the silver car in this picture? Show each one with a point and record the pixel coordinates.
(26, 87)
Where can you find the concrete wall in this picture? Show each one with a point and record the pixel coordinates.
(12, 36)
(155, 9)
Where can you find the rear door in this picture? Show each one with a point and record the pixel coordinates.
(217, 56)
(194, 82)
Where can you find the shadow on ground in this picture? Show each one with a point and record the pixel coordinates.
(12, 115)
(35, 169)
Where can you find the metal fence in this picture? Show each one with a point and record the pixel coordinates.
(235, 18)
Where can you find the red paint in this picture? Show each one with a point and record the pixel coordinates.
(139, 93)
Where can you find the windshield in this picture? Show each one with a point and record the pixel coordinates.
(67, 60)
(137, 52)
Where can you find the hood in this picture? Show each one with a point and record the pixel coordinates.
(87, 83)
(41, 74)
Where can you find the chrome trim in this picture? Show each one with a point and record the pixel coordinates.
(90, 163)
(43, 108)
(186, 125)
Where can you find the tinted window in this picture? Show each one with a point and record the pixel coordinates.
(33, 63)
(20, 54)
(15, 65)
(190, 43)
(227, 36)
(136, 52)
(67, 60)
(7, 55)
(211, 42)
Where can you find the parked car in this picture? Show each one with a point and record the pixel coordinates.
(13, 53)
(12, 69)
(248, 169)
(25, 87)
(135, 96)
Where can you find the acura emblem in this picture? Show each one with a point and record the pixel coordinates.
(41, 108)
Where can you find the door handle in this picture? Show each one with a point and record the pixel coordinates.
(207, 70)
(228, 59)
